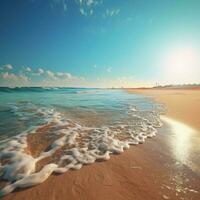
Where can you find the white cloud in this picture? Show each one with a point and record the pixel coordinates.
(109, 69)
(38, 77)
(64, 6)
(6, 75)
(64, 75)
(86, 12)
(23, 77)
(61, 75)
(89, 2)
(110, 13)
(8, 66)
(15, 77)
(40, 71)
(50, 74)
(82, 11)
(28, 69)
(87, 7)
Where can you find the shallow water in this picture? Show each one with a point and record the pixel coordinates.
(21, 108)
(76, 126)
(184, 144)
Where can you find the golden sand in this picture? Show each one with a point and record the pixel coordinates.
(149, 171)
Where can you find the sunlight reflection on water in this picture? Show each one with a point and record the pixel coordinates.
(182, 139)
(184, 143)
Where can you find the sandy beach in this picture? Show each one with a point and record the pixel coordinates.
(152, 171)
(181, 104)
(100, 100)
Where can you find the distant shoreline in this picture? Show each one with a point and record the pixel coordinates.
(164, 87)
(168, 88)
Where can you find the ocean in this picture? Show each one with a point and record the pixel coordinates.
(83, 125)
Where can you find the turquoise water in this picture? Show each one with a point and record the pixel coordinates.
(23, 108)
(83, 125)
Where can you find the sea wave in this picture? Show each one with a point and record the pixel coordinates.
(41, 89)
(71, 146)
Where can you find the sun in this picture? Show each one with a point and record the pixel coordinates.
(180, 64)
(181, 58)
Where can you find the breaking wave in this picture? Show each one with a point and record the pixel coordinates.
(61, 144)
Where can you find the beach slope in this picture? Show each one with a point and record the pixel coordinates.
(148, 171)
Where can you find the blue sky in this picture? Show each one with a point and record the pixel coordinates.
(99, 43)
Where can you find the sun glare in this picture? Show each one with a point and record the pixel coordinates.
(182, 57)
(180, 64)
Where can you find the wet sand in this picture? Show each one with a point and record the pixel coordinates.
(182, 104)
(154, 170)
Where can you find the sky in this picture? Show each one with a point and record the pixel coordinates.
(99, 43)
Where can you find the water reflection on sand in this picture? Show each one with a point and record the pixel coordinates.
(184, 144)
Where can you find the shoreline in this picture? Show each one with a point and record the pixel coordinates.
(148, 171)
(182, 104)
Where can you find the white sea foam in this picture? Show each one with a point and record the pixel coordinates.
(79, 145)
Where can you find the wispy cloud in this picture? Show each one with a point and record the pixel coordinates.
(86, 7)
(6, 67)
(64, 75)
(23, 77)
(6, 75)
(61, 75)
(14, 77)
(82, 11)
(40, 71)
(110, 13)
(50, 74)
(55, 75)
(27, 76)
(9, 66)
(88, 3)
(27, 69)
